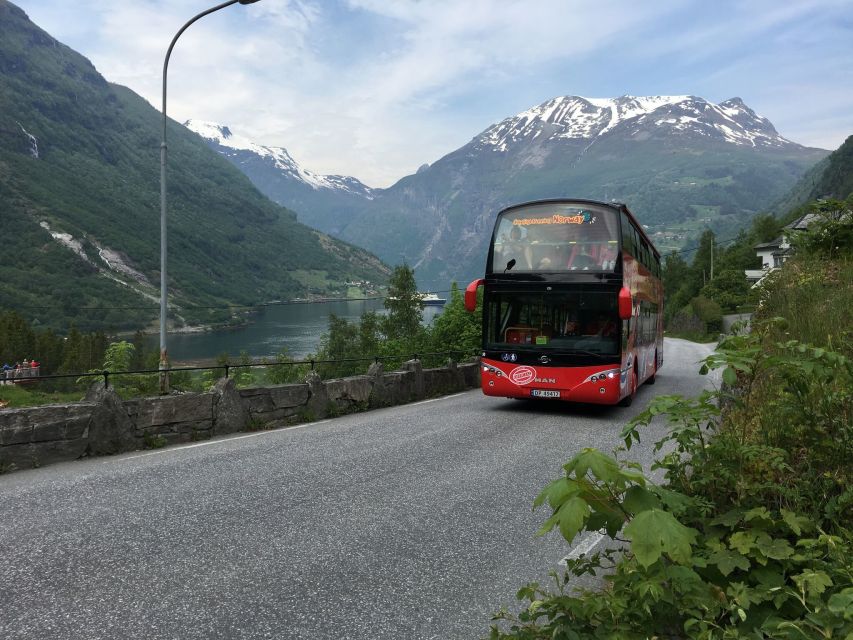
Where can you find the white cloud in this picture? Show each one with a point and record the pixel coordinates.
(374, 88)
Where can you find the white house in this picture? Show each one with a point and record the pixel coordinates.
(773, 254)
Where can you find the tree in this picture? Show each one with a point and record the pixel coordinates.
(830, 234)
(17, 339)
(340, 343)
(456, 329)
(705, 255)
(729, 289)
(404, 304)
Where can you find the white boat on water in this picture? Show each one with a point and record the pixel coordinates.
(431, 299)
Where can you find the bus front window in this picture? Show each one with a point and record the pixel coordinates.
(560, 321)
(556, 237)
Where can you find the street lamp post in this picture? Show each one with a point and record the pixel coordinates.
(164, 354)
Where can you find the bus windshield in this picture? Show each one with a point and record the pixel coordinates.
(564, 321)
(556, 237)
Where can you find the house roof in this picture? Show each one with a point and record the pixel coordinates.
(774, 244)
(802, 222)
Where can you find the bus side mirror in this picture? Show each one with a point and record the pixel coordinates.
(471, 295)
(626, 306)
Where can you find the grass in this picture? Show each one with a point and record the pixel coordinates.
(815, 297)
(14, 397)
(311, 278)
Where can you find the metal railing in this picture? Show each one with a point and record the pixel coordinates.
(228, 368)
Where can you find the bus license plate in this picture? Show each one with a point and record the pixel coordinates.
(544, 393)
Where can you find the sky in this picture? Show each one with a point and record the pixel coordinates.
(376, 88)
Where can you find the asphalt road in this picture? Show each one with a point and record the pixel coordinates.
(412, 522)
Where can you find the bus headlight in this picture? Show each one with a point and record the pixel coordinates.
(603, 375)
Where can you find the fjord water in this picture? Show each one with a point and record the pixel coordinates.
(296, 328)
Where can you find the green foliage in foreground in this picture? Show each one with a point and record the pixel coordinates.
(750, 536)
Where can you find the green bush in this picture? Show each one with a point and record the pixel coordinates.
(751, 536)
(709, 312)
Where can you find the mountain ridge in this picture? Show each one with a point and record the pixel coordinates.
(681, 162)
(589, 118)
(79, 204)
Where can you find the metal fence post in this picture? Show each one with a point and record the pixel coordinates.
(226, 370)
(106, 379)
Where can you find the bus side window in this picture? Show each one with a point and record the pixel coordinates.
(627, 236)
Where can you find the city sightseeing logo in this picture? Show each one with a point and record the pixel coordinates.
(584, 217)
(523, 375)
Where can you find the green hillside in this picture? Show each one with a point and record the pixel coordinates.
(80, 156)
(832, 177)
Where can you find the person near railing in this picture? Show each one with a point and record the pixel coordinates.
(7, 374)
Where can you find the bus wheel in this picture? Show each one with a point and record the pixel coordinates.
(629, 399)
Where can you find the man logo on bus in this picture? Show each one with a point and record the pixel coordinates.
(523, 375)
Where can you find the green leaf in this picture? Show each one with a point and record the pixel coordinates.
(728, 561)
(767, 577)
(571, 517)
(654, 532)
(797, 523)
(760, 513)
(674, 501)
(548, 525)
(742, 541)
(728, 519)
(639, 499)
(596, 521)
(842, 603)
(778, 549)
(813, 582)
(729, 376)
(556, 492)
(601, 465)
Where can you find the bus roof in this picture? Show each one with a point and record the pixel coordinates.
(617, 206)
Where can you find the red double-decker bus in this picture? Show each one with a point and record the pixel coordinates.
(572, 303)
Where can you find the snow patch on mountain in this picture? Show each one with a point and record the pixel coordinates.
(579, 118)
(235, 144)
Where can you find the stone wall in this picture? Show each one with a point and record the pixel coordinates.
(104, 424)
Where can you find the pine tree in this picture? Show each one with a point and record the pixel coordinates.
(404, 304)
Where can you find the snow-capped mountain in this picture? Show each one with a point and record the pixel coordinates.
(673, 159)
(240, 148)
(321, 201)
(578, 118)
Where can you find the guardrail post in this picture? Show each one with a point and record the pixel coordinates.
(312, 365)
(106, 379)
(226, 370)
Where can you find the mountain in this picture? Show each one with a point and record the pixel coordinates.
(681, 163)
(276, 174)
(832, 177)
(79, 205)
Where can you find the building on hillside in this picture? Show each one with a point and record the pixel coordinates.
(774, 254)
